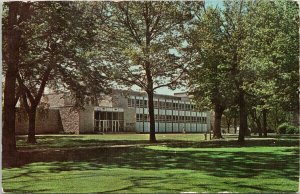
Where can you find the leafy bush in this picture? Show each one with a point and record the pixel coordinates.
(286, 128)
(282, 128)
(292, 130)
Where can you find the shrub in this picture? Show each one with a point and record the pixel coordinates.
(282, 128)
(292, 130)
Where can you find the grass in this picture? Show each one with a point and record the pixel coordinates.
(127, 163)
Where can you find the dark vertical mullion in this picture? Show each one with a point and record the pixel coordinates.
(144, 113)
(184, 118)
(106, 122)
(135, 107)
(165, 115)
(178, 115)
(172, 118)
(196, 121)
(158, 115)
(202, 121)
(191, 118)
(112, 120)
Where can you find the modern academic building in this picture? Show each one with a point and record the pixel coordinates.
(126, 111)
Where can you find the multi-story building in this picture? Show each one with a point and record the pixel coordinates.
(127, 111)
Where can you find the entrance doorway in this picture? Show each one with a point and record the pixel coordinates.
(109, 121)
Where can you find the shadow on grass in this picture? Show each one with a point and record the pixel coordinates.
(65, 141)
(63, 153)
(217, 163)
(46, 142)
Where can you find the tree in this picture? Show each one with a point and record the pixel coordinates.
(234, 14)
(255, 47)
(55, 48)
(209, 79)
(272, 48)
(141, 40)
(17, 15)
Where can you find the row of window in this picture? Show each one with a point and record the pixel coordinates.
(138, 103)
(108, 115)
(171, 118)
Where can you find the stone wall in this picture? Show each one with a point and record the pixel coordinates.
(70, 120)
(47, 122)
(54, 100)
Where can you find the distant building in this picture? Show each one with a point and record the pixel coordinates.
(127, 111)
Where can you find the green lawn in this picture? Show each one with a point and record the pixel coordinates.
(178, 163)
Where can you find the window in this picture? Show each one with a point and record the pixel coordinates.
(169, 118)
(169, 105)
(103, 116)
(174, 118)
(181, 106)
(188, 107)
(174, 105)
(155, 104)
(181, 119)
(193, 107)
(96, 115)
(146, 117)
(139, 117)
(129, 102)
(137, 102)
(162, 105)
(188, 119)
(115, 116)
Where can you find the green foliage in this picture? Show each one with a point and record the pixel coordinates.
(286, 128)
(292, 130)
(210, 81)
(142, 43)
(282, 128)
(251, 46)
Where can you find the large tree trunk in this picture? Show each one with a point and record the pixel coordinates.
(243, 117)
(151, 115)
(264, 116)
(8, 131)
(31, 130)
(217, 121)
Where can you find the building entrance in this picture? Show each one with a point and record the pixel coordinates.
(108, 121)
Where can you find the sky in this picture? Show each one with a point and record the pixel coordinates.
(219, 3)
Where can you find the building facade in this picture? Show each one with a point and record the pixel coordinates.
(127, 111)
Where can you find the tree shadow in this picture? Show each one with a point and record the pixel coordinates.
(216, 163)
(98, 154)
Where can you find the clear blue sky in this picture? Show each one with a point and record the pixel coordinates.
(219, 3)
